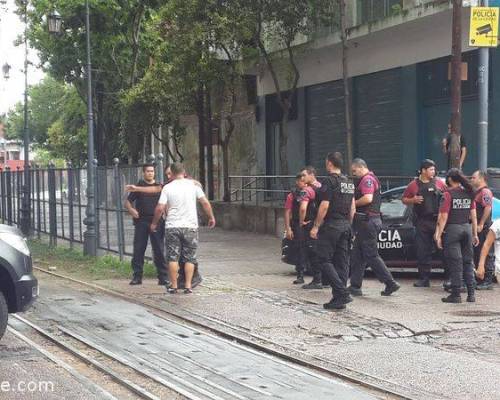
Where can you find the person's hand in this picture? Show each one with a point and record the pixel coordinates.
(211, 223)
(480, 228)
(439, 241)
(153, 227)
(134, 213)
(480, 271)
(289, 234)
(130, 188)
(418, 199)
(475, 241)
(314, 232)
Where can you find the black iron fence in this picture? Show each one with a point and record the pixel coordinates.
(271, 190)
(58, 200)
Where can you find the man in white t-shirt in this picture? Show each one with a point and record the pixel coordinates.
(493, 237)
(179, 199)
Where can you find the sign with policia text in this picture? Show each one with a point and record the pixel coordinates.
(483, 27)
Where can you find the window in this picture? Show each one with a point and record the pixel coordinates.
(392, 206)
(374, 10)
(435, 80)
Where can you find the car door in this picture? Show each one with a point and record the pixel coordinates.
(396, 241)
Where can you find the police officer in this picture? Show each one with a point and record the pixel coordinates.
(424, 194)
(456, 233)
(141, 206)
(367, 226)
(299, 216)
(484, 202)
(332, 230)
(317, 282)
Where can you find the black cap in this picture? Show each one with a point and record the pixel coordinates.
(427, 163)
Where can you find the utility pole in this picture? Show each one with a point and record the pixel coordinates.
(456, 85)
(345, 76)
(483, 82)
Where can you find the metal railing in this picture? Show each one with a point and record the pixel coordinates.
(271, 190)
(58, 200)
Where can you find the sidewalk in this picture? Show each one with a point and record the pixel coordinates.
(410, 338)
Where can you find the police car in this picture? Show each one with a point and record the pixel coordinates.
(396, 241)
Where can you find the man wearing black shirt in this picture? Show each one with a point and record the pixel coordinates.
(141, 207)
(446, 148)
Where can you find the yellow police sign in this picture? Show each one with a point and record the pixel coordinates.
(483, 27)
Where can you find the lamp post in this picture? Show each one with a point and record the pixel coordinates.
(25, 217)
(90, 235)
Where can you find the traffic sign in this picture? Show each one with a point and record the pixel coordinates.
(484, 27)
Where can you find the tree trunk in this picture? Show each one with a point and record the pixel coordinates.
(225, 170)
(456, 85)
(347, 89)
(284, 141)
(210, 151)
(201, 135)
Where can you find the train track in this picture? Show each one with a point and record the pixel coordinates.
(100, 372)
(379, 387)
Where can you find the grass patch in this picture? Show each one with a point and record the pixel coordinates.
(74, 262)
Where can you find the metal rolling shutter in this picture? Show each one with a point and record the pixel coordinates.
(325, 122)
(377, 120)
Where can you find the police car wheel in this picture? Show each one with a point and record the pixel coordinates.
(4, 314)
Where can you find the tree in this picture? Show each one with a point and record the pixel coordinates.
(119, 56)
(273, 26)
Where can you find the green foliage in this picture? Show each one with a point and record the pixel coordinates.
(73, 261)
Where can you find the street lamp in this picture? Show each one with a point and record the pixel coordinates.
(25, 216)
(90, 235)
(6, 71)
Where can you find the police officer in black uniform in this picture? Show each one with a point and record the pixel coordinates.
(367, 226)
(332, 230)
(141, 207)
(456, 233)
(424, 194)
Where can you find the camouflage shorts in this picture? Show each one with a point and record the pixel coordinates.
(182, 244)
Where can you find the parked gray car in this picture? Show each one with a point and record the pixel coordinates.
(18, 286)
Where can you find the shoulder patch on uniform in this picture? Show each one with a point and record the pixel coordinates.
(487, 199)
(368, 182)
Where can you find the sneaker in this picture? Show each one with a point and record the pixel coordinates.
(172, 290)
(354, 291)
(390, 288)
(312, 285)
(136, 281)
(422, 283)
(299, 280)
(452, 298)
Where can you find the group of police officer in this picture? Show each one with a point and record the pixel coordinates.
(323, 218)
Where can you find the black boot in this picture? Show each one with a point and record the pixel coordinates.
(422, 283)
(338, 302)
(390, 288)
(136, 280)
(314, 284)
(470, 294)
(300, 279)
(454, 297)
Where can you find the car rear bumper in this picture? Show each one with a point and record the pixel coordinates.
(26, 290)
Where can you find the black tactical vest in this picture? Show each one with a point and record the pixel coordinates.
(461, 204)
(311, 208)
(480, 209)
(341, 201)
(374, 207)
(432, 195)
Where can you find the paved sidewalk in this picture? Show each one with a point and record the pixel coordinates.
(411, 338)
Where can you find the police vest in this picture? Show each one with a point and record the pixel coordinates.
(429, 208)
(374, 207)
(311, 207)
(341, 200)
(480, 209)
(461, 204)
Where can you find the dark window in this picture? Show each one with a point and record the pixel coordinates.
(435, 78)
(274, 112)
